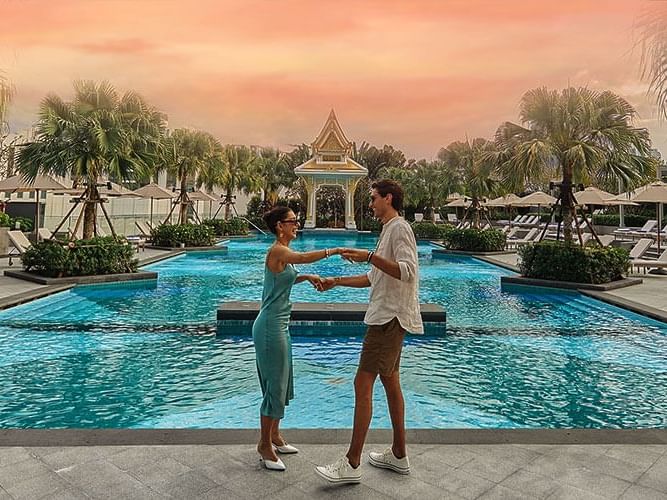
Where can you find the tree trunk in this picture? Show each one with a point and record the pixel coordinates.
(567, 204)
(228, 206)
(90, 211)
(475, 213)
(183, 212)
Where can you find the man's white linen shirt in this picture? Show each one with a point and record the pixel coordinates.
(390, 297)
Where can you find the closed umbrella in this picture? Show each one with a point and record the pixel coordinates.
(656, 192)
(19, 184)
(154, 192)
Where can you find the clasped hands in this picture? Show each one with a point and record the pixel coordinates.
(350, 254)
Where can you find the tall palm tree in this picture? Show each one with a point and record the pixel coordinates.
(652, 27)
(6, 94)
(186, 155)
(97, 134)
(274, 174)
(377, 161)
(473, 163)
(240, 172)
(578, 132)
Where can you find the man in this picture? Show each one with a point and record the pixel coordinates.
(393, 309)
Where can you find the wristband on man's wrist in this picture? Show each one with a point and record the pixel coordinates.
(370, 256)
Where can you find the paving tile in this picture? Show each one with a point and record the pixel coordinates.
(13, 474)
(463, 483)
(195, 455)
(567, 492)
(655, 477)
(503, 453)
(37, 487)
(255, 483)
(530, 483)
(160, 472)
(224, 469)
(316, 487)
(12, 455)
(219, 493)
(67, 457)
(4, 495)
(398, 485)
(187, 485)
(491, 468)
(504, 493)
(136, 456)
(452, 455)
(67, 493)
(636, 492)
(622, 469)
(637, 454)
(595, 482)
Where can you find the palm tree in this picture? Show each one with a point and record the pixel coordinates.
(189, 155)
(377, 161)
(95, 135)
(6, 94)
(238, 168)
(653, 41)
(580, 133)
(474, 166)
(274, 174)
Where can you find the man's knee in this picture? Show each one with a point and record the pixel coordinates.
(363, 383)
(391, 382)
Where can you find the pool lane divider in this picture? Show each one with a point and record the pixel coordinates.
(234, 314)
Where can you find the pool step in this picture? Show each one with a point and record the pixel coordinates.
(233, 314)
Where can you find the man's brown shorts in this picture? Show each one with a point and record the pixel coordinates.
(381, 352)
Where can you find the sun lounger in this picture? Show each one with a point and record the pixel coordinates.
(643, 231)
(647, 264)
(144, 230)
(44, 233)
(437, 219)
(452, 219)
(19, 243)
(606, 239)
(640, 248)
(527, 238)
(419, 217)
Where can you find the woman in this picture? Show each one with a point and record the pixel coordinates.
(273, 346)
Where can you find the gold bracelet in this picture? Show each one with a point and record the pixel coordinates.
(326, 253)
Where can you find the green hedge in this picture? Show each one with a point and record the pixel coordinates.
(235, 226)
(614, 220)
(552, 260)
(4, 220)
(107, 255)
(192, 235)
(430, 231)
(475, 240)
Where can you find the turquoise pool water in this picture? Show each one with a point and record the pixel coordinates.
(146, 355)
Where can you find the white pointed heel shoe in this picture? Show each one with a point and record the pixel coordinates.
(286, 449)
(271, 465)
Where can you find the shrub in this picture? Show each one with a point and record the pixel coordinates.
(552, 260)
(191, 235)
(475, 240)
(24, 223)
(371, 224)
(4, 219)
(107, 255)
(427, 230)
(232, 227)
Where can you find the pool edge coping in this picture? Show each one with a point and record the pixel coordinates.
(155, 437)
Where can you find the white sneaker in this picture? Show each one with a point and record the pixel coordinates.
(387, 460)
(339, 472)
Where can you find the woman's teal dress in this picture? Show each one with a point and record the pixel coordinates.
(273, 345)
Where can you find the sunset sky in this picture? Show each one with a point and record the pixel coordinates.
(416, 74)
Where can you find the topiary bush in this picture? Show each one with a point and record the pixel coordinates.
(553, 260)
(4, 220)
(235, 226)
(475, 240)
(427, 230)
(104, 255)
(630, 220)
(191, 235)
(24, 223)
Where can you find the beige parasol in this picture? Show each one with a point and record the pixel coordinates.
(656, 192)
(19, 184)
(536, 199)
(154, 192)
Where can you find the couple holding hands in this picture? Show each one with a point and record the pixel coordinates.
(393, 310)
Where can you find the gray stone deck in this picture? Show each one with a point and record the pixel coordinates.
(233, 471)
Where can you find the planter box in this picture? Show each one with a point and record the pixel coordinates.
(80, 280)
(569, 285)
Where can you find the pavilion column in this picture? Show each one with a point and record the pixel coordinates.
(310, 211)
(349, 207)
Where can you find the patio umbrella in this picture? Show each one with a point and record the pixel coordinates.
(536, 199)
(460, 202)
(19, 184)
(656, 192)
(154, 192)
(593, 196)
(202, 196)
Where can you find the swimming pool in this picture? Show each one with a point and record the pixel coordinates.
(146, 355)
